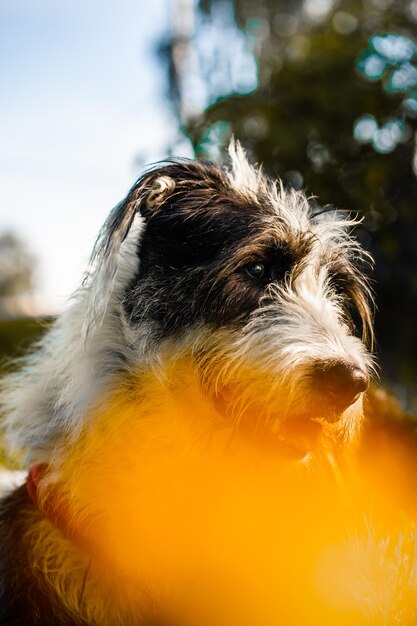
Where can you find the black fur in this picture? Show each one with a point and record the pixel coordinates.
(195, 249)
(24, 597)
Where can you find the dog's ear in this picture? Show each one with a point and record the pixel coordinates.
(161, 188)
(115, 250)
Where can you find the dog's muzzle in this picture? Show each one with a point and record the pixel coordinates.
(339, 384)
(331, 387)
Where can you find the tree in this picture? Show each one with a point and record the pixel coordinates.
(16, 266)
(333, 110)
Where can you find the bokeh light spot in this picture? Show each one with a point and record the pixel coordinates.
(373, 66)
(365, 128)
(395, 48)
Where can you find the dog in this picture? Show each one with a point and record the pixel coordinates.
(222, 318)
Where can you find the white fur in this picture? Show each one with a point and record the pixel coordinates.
(48, 397)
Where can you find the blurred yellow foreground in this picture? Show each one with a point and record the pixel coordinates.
(220, 532)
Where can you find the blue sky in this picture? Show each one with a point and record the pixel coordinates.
(82, 98)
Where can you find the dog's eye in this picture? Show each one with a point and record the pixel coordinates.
(256, 270)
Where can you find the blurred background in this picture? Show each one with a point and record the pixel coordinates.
(322, 92)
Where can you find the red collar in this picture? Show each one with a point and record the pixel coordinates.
(54, 507)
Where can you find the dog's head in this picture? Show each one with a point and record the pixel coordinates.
(267, 299)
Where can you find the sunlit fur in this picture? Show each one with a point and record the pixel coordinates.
(139, 407)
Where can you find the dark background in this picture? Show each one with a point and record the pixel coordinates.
(334, 111)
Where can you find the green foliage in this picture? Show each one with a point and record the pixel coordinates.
(335, 112)
(16, 266)
(16, 337)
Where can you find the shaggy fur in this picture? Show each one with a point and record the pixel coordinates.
(217, 306)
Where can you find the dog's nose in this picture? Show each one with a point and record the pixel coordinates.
(340, 382)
